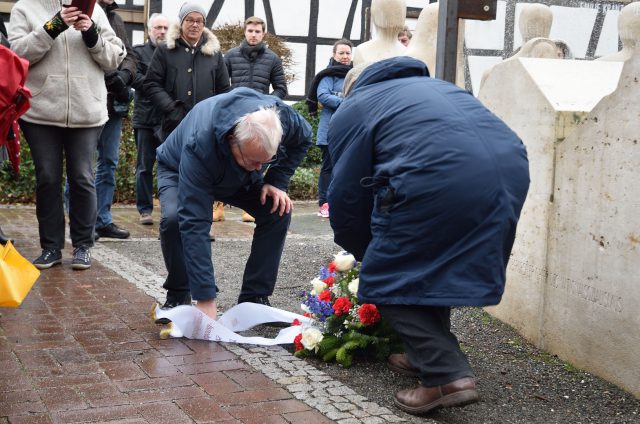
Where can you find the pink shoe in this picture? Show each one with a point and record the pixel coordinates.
(324, 210)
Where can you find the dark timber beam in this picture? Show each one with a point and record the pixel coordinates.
(449, 12)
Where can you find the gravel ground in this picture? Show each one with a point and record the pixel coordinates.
(517, 382)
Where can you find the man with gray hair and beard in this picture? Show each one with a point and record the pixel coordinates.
(146, 119)
(241, 148)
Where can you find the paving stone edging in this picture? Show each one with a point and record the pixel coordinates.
(306, 383)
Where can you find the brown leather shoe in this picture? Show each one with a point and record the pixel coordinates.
(247, 218)
(424, 399)
(218, 211)
(399, 362)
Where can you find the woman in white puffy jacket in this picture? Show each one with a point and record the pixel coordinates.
(69, 53)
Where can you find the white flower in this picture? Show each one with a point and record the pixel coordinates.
(318, 286)
(311, 338)
(344, 261)
(353, 286)
(305, 308)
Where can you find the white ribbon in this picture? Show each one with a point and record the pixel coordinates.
(188, 321)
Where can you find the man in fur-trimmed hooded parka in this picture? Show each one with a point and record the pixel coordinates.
(187, 70)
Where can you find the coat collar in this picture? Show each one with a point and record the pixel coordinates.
(209, 46)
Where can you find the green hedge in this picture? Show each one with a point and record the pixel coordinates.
(22, 189)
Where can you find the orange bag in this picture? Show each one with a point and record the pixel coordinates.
(17, 276)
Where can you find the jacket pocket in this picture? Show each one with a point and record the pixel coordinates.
(49, 101)
(88, 104)
(383, 202)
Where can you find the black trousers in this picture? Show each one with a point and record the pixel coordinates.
(146, 143)
(430, 345)
(325, 176)
(261, 270)
(50, 148)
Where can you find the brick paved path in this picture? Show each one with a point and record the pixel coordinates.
(82, 348)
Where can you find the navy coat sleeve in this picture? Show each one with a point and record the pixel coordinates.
(296, 140)
(351, 150)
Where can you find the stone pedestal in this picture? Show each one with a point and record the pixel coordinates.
(573, 282)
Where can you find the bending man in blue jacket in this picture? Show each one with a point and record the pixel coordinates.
(220, 151)
(427, 190)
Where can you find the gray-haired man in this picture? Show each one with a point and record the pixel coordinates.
(146, 119)
(241, 148)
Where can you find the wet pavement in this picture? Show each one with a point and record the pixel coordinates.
(82, 348)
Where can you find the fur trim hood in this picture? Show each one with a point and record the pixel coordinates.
(210, 46)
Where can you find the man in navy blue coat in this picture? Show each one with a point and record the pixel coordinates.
(427, 190)
(241, 148)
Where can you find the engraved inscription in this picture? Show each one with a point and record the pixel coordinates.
(572, 287)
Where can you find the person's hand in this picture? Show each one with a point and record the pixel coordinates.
(83, 23)
(208, 307)
(70, 15)
(280, 198)
(173, 116)
(122, 96)
(117, 81)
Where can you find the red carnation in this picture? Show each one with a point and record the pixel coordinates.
(332, 267)
(368, 314)
(325, 295)
(328, 281)
(296, 322)
(341, 306)
(298, 343)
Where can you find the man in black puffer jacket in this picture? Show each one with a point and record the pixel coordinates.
(254, 65)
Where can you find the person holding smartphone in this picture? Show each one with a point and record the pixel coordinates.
(69, 53)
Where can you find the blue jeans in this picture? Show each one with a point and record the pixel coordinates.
(49, 146)
(261, 269)
(146, 143)
(108, 148)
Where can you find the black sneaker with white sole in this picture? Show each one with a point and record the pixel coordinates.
(81, 258)
(174, 299)
(49, 258)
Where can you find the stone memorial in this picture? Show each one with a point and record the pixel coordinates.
(425, 41)
(573, 284)
(388, 18)
(629, 32)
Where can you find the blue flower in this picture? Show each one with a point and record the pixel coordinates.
(320, 308)
(324, 273)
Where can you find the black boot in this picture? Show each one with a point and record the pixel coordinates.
(3, 238)
(174, 299)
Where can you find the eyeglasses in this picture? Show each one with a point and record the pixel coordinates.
(199, 22)
(160, 27)
(255, 163)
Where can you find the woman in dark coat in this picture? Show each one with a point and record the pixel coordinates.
(427, 190)
(187, 69)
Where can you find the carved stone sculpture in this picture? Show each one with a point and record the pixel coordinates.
(388, 18)
(629, 31)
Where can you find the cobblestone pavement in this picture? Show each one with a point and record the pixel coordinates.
(82, 347)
